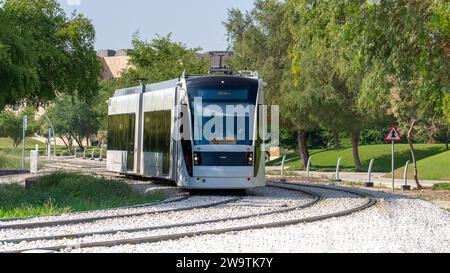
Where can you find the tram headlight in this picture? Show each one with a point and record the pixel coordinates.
(197, 159)
(250, 159)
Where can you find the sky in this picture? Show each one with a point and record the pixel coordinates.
(197, 23)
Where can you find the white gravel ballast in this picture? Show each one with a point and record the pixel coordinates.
(395, 224)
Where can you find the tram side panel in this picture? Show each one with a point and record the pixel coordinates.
(122, 129)
(157, 125)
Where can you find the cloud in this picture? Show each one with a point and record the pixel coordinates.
(73, 2)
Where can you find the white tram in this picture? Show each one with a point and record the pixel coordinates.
(156, 131)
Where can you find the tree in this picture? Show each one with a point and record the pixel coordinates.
(162, 59)
(100, 106)
(411, 40)
(321, 65)
(260, 40)
(11, 125)
(446, 121)
(44, 53)
(73, 120)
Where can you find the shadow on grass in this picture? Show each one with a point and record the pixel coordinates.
(383, 163)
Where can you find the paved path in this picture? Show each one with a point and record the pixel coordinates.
(377, 178)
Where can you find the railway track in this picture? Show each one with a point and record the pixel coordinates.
(98, 218)
(198, 228)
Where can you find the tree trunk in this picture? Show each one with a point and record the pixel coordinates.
(303, 147)
(355, 144)
(62, 138)
(16, 142)
(70, 143)
(413, 154)
(79, 142)
(337, 143)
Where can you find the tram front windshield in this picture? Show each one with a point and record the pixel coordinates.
(222, 113)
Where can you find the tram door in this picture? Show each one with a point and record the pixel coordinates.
(130, 142)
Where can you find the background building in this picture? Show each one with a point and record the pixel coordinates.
(113, 62)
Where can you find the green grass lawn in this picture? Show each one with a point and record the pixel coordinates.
(61, 193)
(325, 160)
(11, 158)
(441, 187)
(435, 167)
(7, 143)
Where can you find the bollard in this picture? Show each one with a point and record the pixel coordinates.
(34, 156)
(405, 186)
(37, 150)
(33, 162)
(92, 156)
(84, 153)
(101, 154)
(76, 150)
(338, 167)
(282, 165)
(308, 167)
(370, 184)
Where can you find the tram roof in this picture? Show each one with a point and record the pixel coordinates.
(167, 84)
(148, 88)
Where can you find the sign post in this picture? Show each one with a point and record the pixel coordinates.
(24, 129)
(393, 136)
(49, 148)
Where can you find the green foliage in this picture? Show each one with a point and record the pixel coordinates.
(288, 138)
(73, 119)
(60, 193)
(107, 89)
(44, 53)
(410, 39)
(322, 64)
(446, 108)
(11, 125)
(162, 59)
(355, 65)
(372, 136)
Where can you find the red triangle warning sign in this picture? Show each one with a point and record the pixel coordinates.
(393, 135)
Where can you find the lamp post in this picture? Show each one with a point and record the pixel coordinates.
(54, 136)
(24, 128)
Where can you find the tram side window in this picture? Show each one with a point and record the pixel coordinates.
(119, 131)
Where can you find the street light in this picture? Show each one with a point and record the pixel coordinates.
(54, 136)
